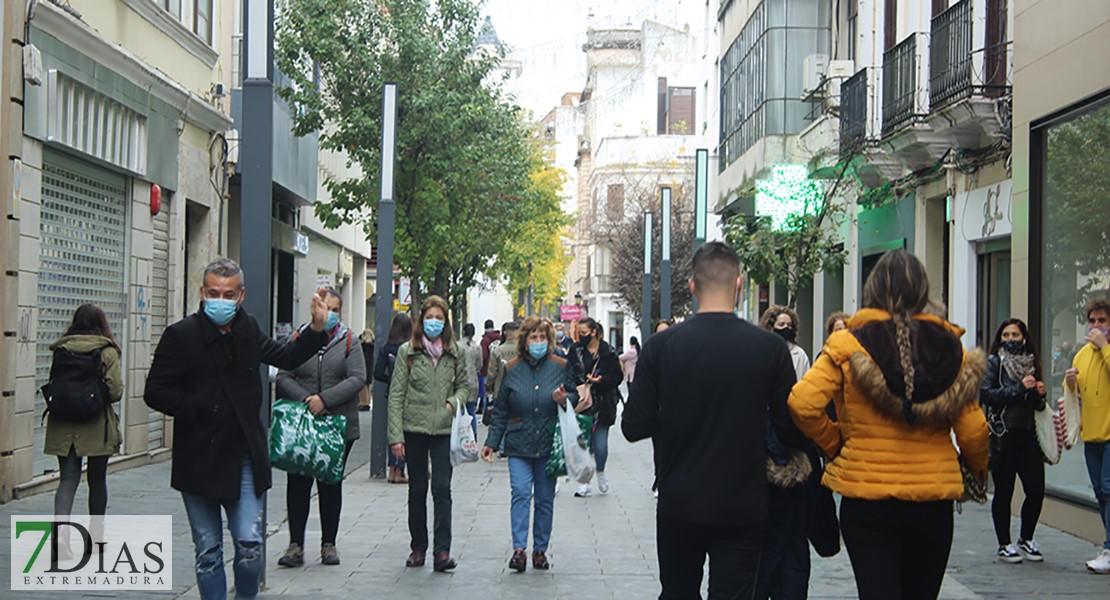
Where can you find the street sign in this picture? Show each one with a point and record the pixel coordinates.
(404, 291)
(397, 306)
(570, 312)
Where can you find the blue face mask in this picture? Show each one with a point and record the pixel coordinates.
(538, 350)
(432, 328)
(333, 320)
(219, 310)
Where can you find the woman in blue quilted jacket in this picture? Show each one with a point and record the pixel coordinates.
(535, 384)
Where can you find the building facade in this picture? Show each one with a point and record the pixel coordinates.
(120, 175)
(643, 111)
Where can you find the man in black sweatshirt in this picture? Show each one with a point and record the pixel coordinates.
(704, 391)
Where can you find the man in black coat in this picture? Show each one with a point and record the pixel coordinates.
(205, 374)
(705, 391)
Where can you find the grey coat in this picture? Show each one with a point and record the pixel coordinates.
(333, 373)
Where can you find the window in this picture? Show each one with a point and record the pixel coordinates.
(681, 110)
(614, 203)
(761, 73)
(202, 22)
(853, 28)
(173, 7)
(1069, 179)
(661, 107)
(890, 25)
(995, 68)
(939, 6)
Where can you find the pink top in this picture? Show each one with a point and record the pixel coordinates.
(628, 363)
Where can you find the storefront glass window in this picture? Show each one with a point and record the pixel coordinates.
(1075, 256)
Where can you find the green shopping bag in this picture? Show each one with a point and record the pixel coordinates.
(556, 461)
(306, 445)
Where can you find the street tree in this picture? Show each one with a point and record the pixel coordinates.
(621, 230)
(795, 243)
(464, 155)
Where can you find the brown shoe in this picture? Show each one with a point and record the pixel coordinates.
(539, 561)
(443, 562)
(416, 559)
(519, 561)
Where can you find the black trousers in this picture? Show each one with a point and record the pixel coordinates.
(784, 566)
(1018, 453)
(733, 559)
(298, 494)
(899, 549)
(70, 468)
(418, 448)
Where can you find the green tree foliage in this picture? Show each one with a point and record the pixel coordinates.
(464, 156)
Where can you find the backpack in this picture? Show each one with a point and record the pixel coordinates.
(77, 390)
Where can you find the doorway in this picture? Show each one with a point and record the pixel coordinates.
(994, 282)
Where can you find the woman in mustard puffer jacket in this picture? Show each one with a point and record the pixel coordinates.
(906, 383)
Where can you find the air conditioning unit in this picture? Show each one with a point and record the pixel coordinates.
(837, 73)
(813, 72)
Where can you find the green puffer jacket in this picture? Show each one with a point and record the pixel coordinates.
(88, 437)
(417, 397)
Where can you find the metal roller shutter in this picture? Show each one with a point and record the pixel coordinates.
(159, 308)
(83, 228)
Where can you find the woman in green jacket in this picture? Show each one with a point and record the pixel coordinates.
(97, 438)
(429, 384)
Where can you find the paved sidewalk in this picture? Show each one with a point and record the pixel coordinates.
(602, 547)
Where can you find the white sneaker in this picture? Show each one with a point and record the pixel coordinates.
(583, 491)
(1030, 550)
(1100, 563)
(602, 483)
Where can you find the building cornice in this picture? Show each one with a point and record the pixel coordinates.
(175, 29)
(194, 109)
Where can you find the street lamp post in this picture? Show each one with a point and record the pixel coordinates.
(645, 314)
(386, 208)
(665, 267)
(701, 200)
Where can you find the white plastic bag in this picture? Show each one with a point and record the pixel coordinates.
(580, 463)
(464, 446)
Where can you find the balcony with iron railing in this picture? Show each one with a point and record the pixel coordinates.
(853, 112)
(902, 85)
(957, 71)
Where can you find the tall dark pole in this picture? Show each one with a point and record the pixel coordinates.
(701, 199)
(379, 445)
(256, 169)
(665, 266)
(645, 313)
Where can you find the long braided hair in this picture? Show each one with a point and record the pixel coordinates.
(899, 285)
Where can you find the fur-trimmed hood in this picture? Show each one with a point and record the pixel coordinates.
(945, 380)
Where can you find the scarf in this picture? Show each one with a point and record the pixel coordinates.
(1016, 366)
(435, 349)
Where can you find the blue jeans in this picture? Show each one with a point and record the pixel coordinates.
(599, 443)
(528, 480)
(1098, 467)
(244, 521)
(470, 408)
(482, 393)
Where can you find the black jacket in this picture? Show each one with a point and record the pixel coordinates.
(1008, 405)
(383, 364)
(704, 391)
(210, 383)
(605, 394)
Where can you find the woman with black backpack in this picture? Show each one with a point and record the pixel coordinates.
(86, 351)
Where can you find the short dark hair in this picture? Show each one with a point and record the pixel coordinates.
(330, 291)
(468, 330)
(715, 265)
(489, 324)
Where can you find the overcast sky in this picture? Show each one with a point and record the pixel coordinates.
(547, 38)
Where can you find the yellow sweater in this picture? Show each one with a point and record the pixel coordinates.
(1094, 392)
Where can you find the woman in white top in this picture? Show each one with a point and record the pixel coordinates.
(783, 321)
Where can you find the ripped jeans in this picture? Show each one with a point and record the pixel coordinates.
(244, 522)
